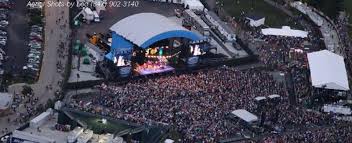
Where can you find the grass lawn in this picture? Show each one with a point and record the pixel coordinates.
(348, 7)
(97, 126)
(273, 17)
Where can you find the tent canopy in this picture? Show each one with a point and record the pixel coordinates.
(5, 100)
(328, 70)
(245, 115)
(274, 96)
(259, 98)
(285, 31)
(144, 29)
(194, 4)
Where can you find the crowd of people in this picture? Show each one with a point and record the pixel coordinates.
(342, 28)
(23, 107)
(196, 104)
(340, 133)
(288, 54)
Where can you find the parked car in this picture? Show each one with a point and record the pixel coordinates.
(33, 51)
(4, 22)
(3, 16)
(33, 61)
(3, 42)
(3, 33)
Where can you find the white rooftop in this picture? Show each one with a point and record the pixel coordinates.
(260, 98)
(245, 115)
(139, 28)
(328, 70)
(5, 100)
(194, 4)
(285, 31)
(169, 141)
(274, 96)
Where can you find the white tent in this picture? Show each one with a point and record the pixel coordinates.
(5, 100)
(259, 98)
(274, 96)
(169, 141)
(256, 21)
(193, 4)
(328, 70)
(337, 109)
(245, 115)
(88, 14)
(285, 31)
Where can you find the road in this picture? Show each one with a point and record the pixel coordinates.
(56, 31)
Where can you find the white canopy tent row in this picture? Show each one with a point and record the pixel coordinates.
(245, 115)
(285, 31)
(337, 109)
(328, 70)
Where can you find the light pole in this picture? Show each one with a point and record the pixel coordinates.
(78, 76)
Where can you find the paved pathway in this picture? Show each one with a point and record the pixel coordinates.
(55, 33)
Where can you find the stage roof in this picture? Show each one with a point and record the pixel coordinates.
(245, 115)
(144, 29)
(328, 70)
(285, 31)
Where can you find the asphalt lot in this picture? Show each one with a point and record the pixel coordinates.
(114, 14)
(17, 50)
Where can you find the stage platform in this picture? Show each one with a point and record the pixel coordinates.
(155, 70)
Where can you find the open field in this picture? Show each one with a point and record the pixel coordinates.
(97, 126)
(348, 7)
(274, 17)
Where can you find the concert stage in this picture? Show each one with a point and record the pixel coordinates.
(152, 69)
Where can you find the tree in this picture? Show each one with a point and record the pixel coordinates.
(330, 8)
(86, 61)
(26, 90)
(50, 104)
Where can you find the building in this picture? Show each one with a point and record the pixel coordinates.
(255, 21)
(149, 41)
(190, 4)
(193, 4)
(49, 131)
(197, 22)
(328, 71)
(285, 31)
(5, 100)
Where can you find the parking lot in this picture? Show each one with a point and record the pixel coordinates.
(16, 49)
(21, 37)
(114, 14)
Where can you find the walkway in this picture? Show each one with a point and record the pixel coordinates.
(327, 29)
(56, 32)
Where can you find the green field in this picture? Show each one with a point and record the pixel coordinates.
(97, 126)
(273, 17)
(348, 7)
